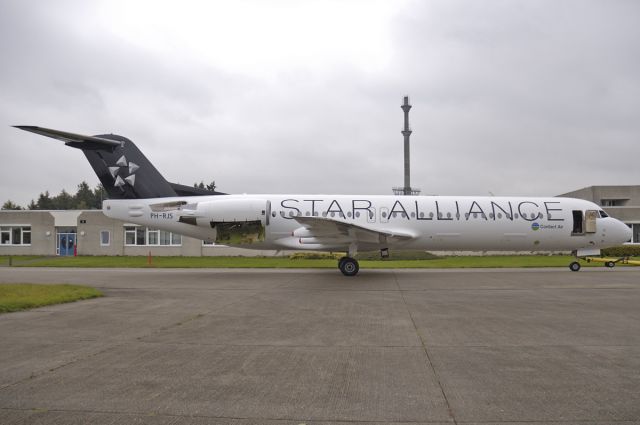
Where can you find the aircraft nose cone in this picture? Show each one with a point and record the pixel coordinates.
(621, 233)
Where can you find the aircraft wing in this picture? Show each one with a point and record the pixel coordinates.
(327, 228)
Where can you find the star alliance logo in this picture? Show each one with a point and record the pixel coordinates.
(127, 168)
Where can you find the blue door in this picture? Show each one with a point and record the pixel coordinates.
(66, 242)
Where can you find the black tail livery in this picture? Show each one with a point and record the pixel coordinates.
(123, 170)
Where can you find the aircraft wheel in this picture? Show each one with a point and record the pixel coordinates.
(575, 266)
(349, 266)
(610, 264)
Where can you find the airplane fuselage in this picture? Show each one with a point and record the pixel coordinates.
(420, 222)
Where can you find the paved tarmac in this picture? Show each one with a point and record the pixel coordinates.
(314, 347)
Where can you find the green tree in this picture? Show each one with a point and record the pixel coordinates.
(9, 205)
(211, 186)
(84, 198)
(44, 202)
(63, 201)
(98, 195)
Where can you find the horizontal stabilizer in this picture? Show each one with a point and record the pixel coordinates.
(69, 137)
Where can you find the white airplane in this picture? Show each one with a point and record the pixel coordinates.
(139, 194)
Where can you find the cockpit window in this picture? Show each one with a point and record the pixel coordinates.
(603, 214)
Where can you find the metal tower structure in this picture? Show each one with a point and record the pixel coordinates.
(406, 133)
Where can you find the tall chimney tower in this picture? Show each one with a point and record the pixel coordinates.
(407, 156)
(406, 132)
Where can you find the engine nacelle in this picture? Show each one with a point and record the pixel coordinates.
(233, 210)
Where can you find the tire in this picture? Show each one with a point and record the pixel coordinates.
(574, 267)
(610, 264)
(349, 266)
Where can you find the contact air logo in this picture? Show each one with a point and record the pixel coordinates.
(535, 226)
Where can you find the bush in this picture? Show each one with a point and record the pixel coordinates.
(622, 251)
(315, 256)
(398, 255)
(367, 255)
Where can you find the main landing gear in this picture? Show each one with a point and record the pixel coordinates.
(574, 267)
(348, 266)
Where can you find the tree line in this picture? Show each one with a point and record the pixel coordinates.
(85, 198)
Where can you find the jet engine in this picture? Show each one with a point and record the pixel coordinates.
(235, 221)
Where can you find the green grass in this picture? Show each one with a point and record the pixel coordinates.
(22, 296)
(504, 261)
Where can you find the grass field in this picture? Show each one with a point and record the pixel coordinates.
(505, 261)
(22, 296)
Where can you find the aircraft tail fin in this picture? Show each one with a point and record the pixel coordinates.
(122, 168)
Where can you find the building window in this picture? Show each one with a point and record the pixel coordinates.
(129, 235)
(154, 236)
(105, 238)
(613, 202)
(144, 236)
(15, 235)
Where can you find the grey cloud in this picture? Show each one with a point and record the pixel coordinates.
(512, 97)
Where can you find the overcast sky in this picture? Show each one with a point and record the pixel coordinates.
(509, 97)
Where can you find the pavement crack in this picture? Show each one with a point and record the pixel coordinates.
(426, 352)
